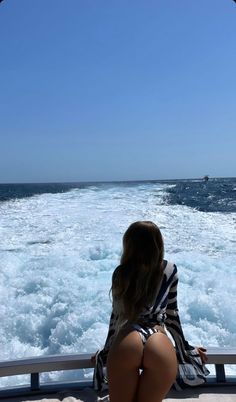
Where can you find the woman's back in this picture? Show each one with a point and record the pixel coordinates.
(144, 292)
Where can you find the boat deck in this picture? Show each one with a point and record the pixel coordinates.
(199, 394)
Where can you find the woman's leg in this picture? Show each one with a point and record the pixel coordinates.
(159, 369)
(123, 363)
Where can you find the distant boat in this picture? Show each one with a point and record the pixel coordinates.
(206, 177)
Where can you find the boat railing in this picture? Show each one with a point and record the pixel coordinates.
(219, 357)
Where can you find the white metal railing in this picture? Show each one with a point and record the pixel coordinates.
(36, 365)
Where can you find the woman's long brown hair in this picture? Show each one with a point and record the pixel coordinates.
(135, 282)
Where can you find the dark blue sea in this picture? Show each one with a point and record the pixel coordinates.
(214, 195)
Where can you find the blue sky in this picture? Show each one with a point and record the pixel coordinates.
(117, 90)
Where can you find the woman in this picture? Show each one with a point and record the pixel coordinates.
(142, 363)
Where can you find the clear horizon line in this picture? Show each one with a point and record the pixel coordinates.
(115, 181)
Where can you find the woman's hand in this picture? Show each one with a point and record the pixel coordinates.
(202, 353)
(93, 358)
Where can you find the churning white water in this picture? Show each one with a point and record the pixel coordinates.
(58, 252)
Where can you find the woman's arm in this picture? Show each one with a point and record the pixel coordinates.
(173, 323)
(191, 368)
(109, 338)
(100, 357)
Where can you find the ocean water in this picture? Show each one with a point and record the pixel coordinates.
(59, 244)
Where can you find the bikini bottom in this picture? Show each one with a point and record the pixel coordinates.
(145, 332)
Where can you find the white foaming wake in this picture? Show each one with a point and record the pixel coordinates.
(58, 252)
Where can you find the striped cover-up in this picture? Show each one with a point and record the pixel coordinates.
(191, 370)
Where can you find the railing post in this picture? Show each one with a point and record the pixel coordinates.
(34, 381)
(220, 373)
